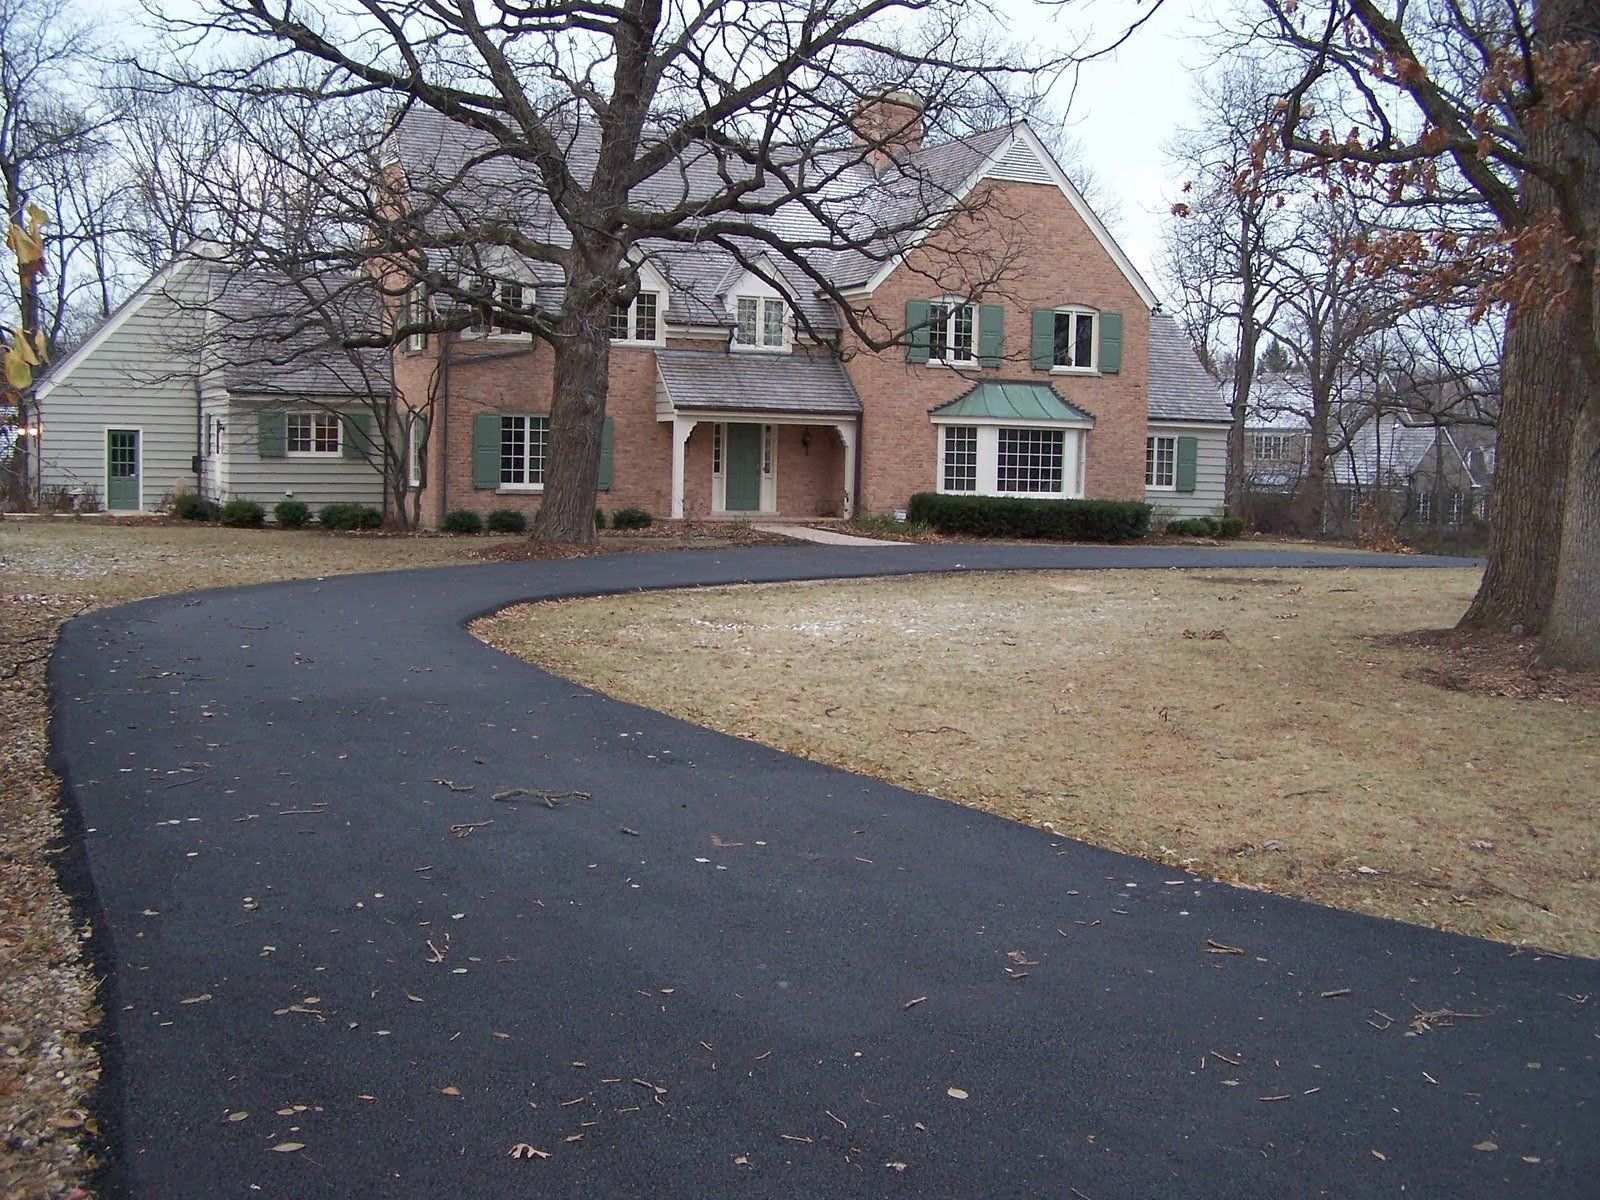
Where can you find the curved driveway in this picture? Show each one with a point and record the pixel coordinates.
(727, 972)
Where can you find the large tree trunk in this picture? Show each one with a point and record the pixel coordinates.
(577, 415)
(1538, 375)
(1572, 632)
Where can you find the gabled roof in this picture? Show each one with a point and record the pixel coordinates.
(163, 283)
(1180, 388)
(719, 381)
(271, 336)
(1012, 400)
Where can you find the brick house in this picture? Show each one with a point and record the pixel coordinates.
(738, 387)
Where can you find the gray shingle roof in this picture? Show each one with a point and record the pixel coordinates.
(1180, 389)
(269, 336)
(713, 381)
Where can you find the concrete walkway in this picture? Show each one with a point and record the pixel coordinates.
(822, 535)
(329, 921)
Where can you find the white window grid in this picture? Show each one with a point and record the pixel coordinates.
(1030, 461)
(638, 321)
(523, 442)
(952, 332)
(716, 448)
(960, 458)
(312, 433)
(415, 312)
(1161, 462)
(1273, 447)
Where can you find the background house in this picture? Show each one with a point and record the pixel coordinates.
(194, 384)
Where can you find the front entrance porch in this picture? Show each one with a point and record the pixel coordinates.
(762, 465)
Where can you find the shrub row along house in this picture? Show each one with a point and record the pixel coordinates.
(737, 386)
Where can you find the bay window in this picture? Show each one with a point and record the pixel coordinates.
(991, 459)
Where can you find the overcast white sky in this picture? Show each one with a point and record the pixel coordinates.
(1128, 104)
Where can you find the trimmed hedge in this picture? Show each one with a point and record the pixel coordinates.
(243, 514)
(191, 507)
(630, 518)
(462, 520)
(349, 516)
(1055, 520)
(599, 518)
(506, 520)
(291, 514)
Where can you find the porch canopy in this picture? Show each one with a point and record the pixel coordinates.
(770, 389)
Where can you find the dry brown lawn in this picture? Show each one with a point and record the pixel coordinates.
(1241, 723)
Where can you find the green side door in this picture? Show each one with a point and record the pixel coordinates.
(742, 473)
(122, 469)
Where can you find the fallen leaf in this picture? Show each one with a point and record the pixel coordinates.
(237, 1116)
(200, 999)
(1379, 1154)
(1485, 1146)
(289, 1147)
(955, 1093)
(450, 1091)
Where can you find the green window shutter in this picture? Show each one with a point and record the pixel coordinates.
(1043, 345)
(1111, 345)
(605, 455)
(991, 335)
(1188, 453)
(357, 435)
(916, 331)
(272, 434)
(486, 450)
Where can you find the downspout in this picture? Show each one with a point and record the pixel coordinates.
(855, 502)
(199, 439)
(444, 426)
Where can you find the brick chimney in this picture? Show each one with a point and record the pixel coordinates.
(887, 125)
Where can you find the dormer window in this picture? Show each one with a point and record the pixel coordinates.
(496, 298)
(952, 332)
(638, 321)
(762, 323)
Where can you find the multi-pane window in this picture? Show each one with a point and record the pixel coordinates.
(1030, 460)
(952, 332)
(762, 323)
(716, 448)
(496, 298)
(960, 458)
(1457, 507)
(123, 453)
(1161, 462)
(1074, 341)
(416, 433)
(769, 448)
(313, 433)
(1273, 447)
(636, 322)
(523, 442)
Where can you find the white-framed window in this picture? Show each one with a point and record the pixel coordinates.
(1076, 346)
(313, 433)
(761, 323)
(523, 444)
(769, 449)
(1030, 462)
(959, 469)
(990, 459)
(639, 321)
(1273, 447)
(416, 431)
(952, 332)
(496, 297)
(1458, 507)
(414, 311)
(1161, 463)
(716, 448)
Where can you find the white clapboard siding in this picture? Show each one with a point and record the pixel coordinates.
(1210, 473)
(316, 481)
(140, 375)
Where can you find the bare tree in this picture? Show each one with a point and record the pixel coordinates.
(593, 131)
(1492, 109)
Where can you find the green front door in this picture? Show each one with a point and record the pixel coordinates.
(742, 480)
(122, 469)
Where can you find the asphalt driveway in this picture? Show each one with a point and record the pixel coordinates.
(719, 971)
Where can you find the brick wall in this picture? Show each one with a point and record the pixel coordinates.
(1048, 256)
